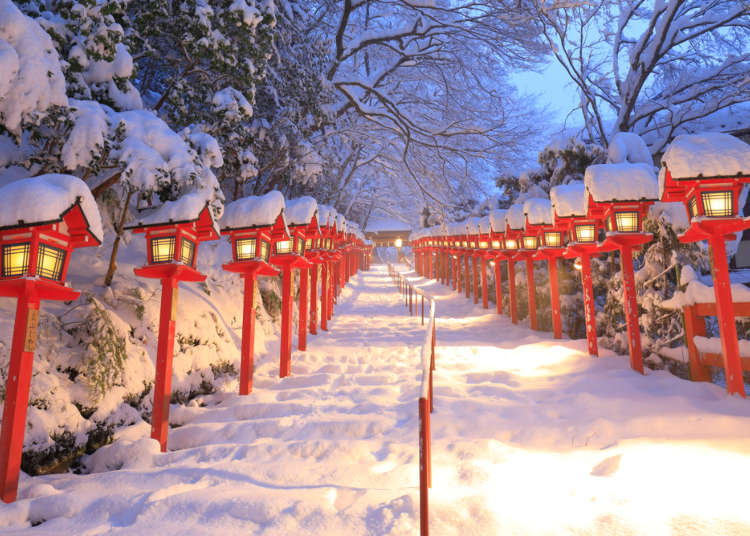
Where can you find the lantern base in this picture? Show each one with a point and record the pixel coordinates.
(576, 249)
(616, 241)
(180, 272)
(41, 289)
(290, 261)
(704, 228)
(257, 267)
(548, 253)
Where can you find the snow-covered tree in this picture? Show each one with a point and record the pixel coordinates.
(656, 67)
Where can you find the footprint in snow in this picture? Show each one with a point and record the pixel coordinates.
(607, 467)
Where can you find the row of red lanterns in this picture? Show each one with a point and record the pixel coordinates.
(35, 257)
(613, 201)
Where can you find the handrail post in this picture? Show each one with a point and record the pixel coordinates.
(423, 309)
(424, 519)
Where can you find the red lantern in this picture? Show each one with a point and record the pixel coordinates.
(620, 195)
(569, 206)
(252, 223)
(706, 173)
(173, 233)
(302, 214)
(58, 215)
(549, 241)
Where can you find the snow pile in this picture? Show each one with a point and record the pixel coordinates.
(698, 292)
(497, 218)
(31, 79)
(88, 135)
(515, 217)
(712, 345)
(254, 211)
(674, 214)
(569, 199)
(340, 223)
(538, 211)
(232, 103)
(628, 147)
(711, 154)
(45, 198)
(472, 226)
(300, 211)
(621, 182)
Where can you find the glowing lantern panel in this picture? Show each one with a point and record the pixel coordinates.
(187, 251)
(553, 239)
(627, 222)
(717, 204)
(585, 233)
(511, 244)
(16, 259)
(496, 244)
(244, 249)
(529, 242)
(283, 247)
(50, 262)
(162, 249)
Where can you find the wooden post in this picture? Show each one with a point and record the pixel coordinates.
(498, 286)
(467, 276)
(17, 388)
(554, 289)
(164, 356)
(588, 304)
(424, 517)
(302, 309)
(475, 270)
(324, 296)
(314, 299)
(485, 300)
(531, 288)
(730, 346)
(285, 358)
(247, 349)
(512, 291)
(695, 325)
(631, 309)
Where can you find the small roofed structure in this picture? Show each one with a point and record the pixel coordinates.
(384, 232)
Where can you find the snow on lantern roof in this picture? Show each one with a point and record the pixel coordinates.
(340, 223)
(538, 211)
(711, 154)
(497, 218)
(300, 211)
(45, 199)
(515, 218)
(254, 211)
(326, 215)
(188, 208)
(569, 199)
(620, 182)
(472, 226)
(485, 226)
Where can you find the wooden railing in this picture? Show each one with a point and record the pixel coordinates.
(700, 348)
(426, 400)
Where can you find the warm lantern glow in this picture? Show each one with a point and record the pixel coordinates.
(553, 239)
(245, 249)
(577, 264)
(465, 244)
(473, 245)
(309, 243)
(496, 244)
(283, 247)
(585, 232)
(49, 262)
(529, 242)
(16, 259)
(483, 245)
(399, 242)
(717, 204)
(162, 249)
(265, 250)
(300, 246)
(627, 222)
(511, 244)
(187, 251)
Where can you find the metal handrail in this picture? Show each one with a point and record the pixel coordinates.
(426, 401)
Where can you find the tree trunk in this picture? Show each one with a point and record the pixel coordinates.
(113, 257)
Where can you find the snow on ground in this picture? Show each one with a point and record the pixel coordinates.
(530, 436)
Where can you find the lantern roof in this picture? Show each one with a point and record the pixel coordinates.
(569, 199)
(49, 199)
(538, 211)
(255, 211)
(515, 218)
(190, 208)
(620, 182)
(497, 219)
(707, 155)
(485, 225)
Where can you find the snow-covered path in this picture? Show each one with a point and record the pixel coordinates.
(531, 436)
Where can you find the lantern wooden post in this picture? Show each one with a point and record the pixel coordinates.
(314, 299)
(554, 288)
(498, 286)
(324, 296)
(588, 304)
(475, 266)
(285, 364)
(531, 288)
(512, 291)
(304, 277)
(467, 276)
(164, 357)
(485, 301)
